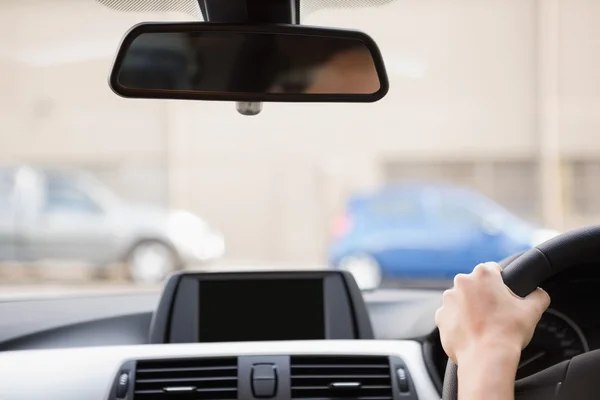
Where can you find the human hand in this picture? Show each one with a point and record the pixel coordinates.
(480, 315)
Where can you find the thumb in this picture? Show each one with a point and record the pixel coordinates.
(538, 300)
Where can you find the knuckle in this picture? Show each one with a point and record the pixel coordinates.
(460, 280)
(483, 269)
(447, 294)
(545, 299)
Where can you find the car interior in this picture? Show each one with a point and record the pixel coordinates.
(294, 334)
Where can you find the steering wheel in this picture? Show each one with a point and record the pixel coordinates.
(577, 378)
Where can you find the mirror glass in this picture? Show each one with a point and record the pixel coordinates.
(248, 62)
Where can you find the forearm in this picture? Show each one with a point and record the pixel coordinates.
(488, 374)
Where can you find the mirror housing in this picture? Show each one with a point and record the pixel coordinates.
(248, 63)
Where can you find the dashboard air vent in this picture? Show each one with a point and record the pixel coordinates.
(341, 377)
(195, 378)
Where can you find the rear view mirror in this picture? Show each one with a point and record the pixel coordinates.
(285, 63)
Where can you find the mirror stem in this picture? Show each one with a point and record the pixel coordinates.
(249, 108)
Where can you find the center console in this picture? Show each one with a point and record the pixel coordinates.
(268, 335)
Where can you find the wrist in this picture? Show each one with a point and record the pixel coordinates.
(488, 371)
(505, 352)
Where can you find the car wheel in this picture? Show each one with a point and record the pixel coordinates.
(150, 262)
(365, 269)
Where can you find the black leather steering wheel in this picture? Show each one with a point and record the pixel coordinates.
(579, 377)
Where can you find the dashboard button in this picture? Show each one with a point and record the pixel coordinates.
(122, 384)
(263, 371)
(402, 380)
(264, 388)
(264, 381)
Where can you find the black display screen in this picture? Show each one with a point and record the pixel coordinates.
(261, 309)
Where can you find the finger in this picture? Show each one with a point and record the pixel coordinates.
(448, 294)
(438, 317)
(495, 266)
(490, 268)
(497, 271)
(460, 280)
(539, 300)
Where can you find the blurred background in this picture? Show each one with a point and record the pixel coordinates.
(486, 145)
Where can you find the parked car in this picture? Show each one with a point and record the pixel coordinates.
(51, 214)
(426, 231)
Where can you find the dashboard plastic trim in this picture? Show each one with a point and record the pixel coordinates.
(69, 374)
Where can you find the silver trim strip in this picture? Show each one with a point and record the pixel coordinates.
(179, 389)
(345, 385)
(70, 374)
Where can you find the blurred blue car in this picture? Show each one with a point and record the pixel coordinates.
(426, 232)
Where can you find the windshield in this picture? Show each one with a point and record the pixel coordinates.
(494, 100)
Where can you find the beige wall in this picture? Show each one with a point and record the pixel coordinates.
(464, 76)
(579, 83)
(479, 75)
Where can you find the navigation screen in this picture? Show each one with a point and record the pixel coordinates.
(261, 309)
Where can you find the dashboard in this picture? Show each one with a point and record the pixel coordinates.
(95, 338)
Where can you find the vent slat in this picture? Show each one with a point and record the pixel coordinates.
(341, 366)
(208, 378)
(341, 377)
(327, 376)
(167, 380)
(366, 387)
(208, 390)
(201, 390)
(188, 369)
(352, 397)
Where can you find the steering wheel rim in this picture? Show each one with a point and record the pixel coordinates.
(523, 273)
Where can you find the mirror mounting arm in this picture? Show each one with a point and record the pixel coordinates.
(249, 108)
(251, 11)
